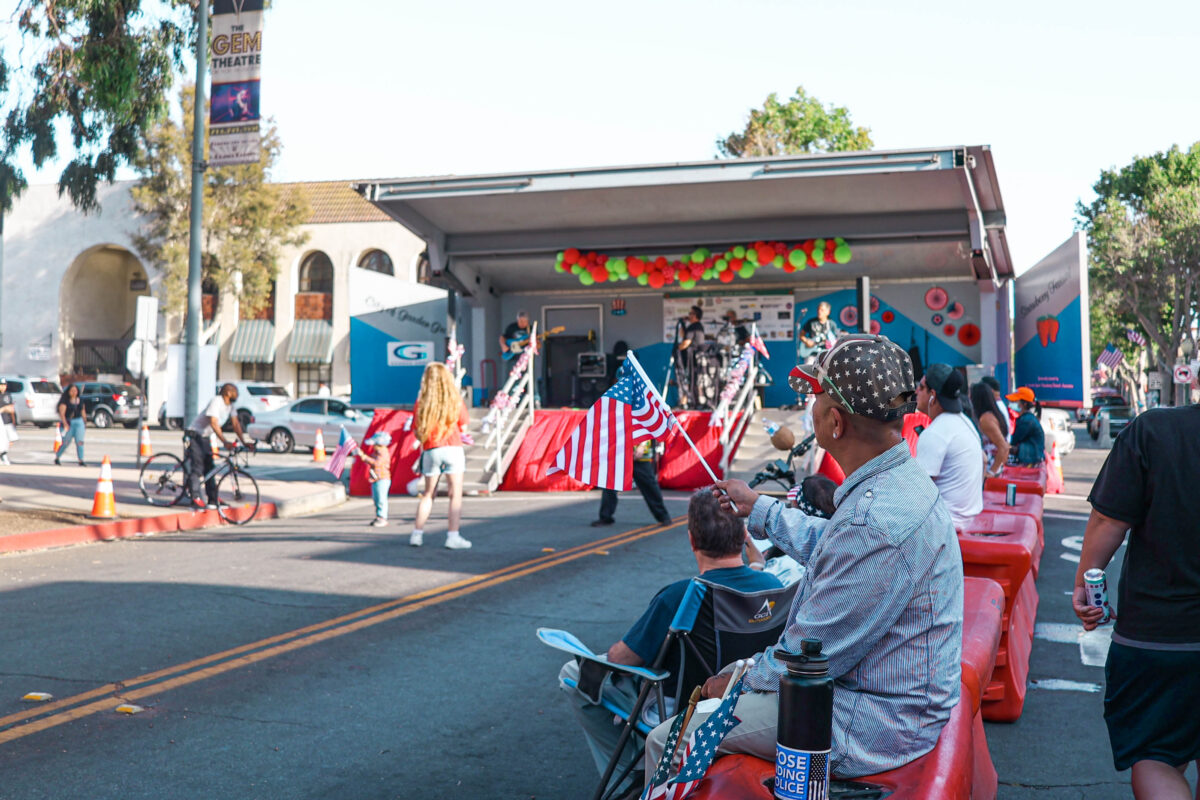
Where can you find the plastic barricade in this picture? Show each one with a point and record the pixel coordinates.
(1030, 480)
(1003, 547)
(983, 610)
(1030, 505)
(1004, 699)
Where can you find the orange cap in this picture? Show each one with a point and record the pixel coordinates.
(1024, 393)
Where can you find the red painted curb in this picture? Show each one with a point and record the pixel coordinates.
(119, 529)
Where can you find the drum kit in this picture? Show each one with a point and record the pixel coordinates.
(701, 369)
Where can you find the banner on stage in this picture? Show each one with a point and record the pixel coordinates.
(236, 58)
(772, 312)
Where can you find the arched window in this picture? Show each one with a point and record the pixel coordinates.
(316, 273)
(377, 261)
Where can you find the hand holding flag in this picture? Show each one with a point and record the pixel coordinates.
(346, 445)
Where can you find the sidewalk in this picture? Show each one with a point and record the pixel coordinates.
(47, 506)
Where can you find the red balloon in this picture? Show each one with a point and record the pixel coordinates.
(726, 275)
(603, 259)
(811, 263)
(660, 262)
(600, 274)
(765, 255)
(668, 274)
(636, 267)
(736, 263)
(656, 280)
(807, 246)
(830, 248)
(787, 267)
(570, 255)
(780, 248)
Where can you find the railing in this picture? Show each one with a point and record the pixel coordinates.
(504, 437)
(99, 356)
(733, 414)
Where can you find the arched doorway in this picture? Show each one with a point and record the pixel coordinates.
(97, 307)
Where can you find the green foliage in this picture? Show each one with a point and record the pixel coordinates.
(1144, 251)
(247, 221)
(101, 68)
(798, 125)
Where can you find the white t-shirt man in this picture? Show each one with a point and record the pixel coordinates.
(951, 453)
(217, 407)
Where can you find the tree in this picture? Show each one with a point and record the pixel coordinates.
(102, 69)
(247, 221)
(799, 125)
(1144, 251)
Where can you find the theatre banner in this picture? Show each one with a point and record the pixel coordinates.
(1050, 327)
(233, 122)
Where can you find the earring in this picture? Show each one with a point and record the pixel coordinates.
(835, 434)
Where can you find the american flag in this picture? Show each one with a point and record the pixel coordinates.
(346, 445)
(600, 451)
(1111, 357)
(758, 344)
(658, 789)
(1135, 337)
(702, 745)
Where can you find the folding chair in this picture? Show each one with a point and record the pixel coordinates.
(714, 626)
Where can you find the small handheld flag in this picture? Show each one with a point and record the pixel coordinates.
(757, 342)
(346, 445)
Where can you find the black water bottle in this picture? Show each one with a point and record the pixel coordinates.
(805, 729)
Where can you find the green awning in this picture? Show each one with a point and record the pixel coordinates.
(312, 342)
(253, 342)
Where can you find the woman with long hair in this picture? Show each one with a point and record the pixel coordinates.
(993, 424)
(440, 417)
(1028, 438)
(72, 422)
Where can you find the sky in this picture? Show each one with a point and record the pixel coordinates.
(1060, 89)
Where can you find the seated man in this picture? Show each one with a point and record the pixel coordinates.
(716, 538)
(950, 450)
(884, 588)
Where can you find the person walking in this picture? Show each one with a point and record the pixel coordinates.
(1152, 676)
(379, 472)
(1028, 438)
(70, 416)
(440, 418)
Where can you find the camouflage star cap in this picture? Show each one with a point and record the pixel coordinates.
(863, 374)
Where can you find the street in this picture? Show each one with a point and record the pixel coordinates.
(318, 657)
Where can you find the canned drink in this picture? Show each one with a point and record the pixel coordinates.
(1010, 495)
(1096, 586)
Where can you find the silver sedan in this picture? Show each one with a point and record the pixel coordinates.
(296, 424)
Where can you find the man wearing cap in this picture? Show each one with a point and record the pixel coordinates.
(884, 584)
(950, 449)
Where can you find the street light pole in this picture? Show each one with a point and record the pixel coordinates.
(191, 391)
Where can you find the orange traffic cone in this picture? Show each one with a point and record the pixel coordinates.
(104, 504)
(319, 447)
(144, 448)
(57, 438)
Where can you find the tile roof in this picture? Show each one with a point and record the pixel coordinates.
(335, 201)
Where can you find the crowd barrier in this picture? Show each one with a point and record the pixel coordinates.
(1029, 505)
(1029, 480)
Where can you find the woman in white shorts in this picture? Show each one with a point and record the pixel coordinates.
(440, 418)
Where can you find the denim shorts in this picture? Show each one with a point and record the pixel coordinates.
(443, 460)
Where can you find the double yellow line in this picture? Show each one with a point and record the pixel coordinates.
(40, 718)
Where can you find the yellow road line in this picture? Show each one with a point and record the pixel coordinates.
(187, 673)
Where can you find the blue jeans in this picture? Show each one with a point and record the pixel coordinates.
(74, 431)
(379, 492)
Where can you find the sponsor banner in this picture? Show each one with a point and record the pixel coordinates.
(772, 313)
(1051, 332)
(236, 60)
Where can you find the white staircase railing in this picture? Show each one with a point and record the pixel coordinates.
(734, 411)
(511, 415)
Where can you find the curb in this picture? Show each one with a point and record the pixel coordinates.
(163, 523)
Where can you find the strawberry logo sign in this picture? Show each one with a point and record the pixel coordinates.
(1047, 329)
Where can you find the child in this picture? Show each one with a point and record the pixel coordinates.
(379, 471)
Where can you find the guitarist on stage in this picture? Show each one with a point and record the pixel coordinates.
(516, 333)
(819, 333)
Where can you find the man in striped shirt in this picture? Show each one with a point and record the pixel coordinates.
(883, 589)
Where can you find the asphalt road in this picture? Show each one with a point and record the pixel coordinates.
(365, 668)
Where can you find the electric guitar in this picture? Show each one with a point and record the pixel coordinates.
(804, 351)
(518, 343)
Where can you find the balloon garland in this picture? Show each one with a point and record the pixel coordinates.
(702, 264)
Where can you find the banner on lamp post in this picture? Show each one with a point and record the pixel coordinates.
(233, 120)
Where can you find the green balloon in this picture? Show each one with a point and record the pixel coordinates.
(643, 279)
(778, 262)
(699, 254)
(746, 271)
(558, 259)
(797, 258)
(842, 254)
(720, 264)
(752, 255)
(839, 242)
(707, 274)
(617, 264)
(687, 284)
(819, 244)
(576, 269)
(739, 252)
(802, 265)
(586, 279)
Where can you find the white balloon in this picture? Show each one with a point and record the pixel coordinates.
(414, 487)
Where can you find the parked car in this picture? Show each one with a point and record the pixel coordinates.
(255, 397)
(1102, 398)
(295, 425)
(1057, 425)
(35, 399)
(1118, 417)
(106, 403)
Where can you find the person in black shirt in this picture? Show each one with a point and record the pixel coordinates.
(72, 422)
(8, 416)
(518, 331)
(820, 332)
(690, 343)
(1148, 486)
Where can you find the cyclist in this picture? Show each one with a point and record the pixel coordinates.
(198, 444)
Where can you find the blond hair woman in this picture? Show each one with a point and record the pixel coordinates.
(440, 417)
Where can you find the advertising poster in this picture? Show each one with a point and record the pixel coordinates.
(1050, 327)
(771, 312)
(236, 60)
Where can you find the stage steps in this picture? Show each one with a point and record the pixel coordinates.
(475, 481)
(755, 450)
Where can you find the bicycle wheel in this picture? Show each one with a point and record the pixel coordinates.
(162, 480)
(237, 497)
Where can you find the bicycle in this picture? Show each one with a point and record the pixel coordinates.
(781, 473)
(164, 482)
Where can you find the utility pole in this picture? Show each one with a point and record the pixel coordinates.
(191, 392)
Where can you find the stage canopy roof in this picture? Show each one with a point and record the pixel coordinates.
(907, 214)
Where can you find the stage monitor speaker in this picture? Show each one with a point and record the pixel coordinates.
(592, 365)
(560, 357)
(590, 390)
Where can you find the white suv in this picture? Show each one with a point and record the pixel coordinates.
(255, 397)
(35, 399)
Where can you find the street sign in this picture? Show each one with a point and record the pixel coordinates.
(145, 325)
(140, 352)
(38, 352)
(1184, 374)
(1154, 380)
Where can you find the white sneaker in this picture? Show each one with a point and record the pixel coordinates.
(378, 523)
(416, 539)
(457, 543)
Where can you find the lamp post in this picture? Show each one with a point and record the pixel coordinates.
(191, 384)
